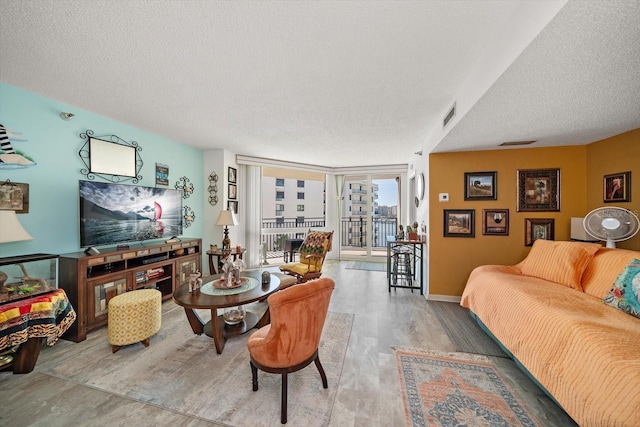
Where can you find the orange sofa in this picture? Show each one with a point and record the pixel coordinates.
(548, 314)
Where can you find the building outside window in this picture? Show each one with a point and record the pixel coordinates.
(300, 208)
(279, 209)
(300, 220)
(300, 184)
(279, 195)
(279, 182)
(300, 196)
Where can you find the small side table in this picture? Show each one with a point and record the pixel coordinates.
(221, 256)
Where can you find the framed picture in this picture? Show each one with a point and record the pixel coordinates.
(538, 190)
(617, 187)
(14, 196)
(538, 228)
(459, 223)
(233, 191)
(232, 175)
(480, 186)
(162, 174)
(232, 205)
(495, 222)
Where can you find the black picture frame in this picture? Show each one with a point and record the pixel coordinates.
(480, 185)
(617, 187)
(495, 222)
(538, 190)
(459, 222)
(232, 173)
(232, 205)
(233, 191)
(538, 228)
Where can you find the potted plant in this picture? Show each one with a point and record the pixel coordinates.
(412, 231)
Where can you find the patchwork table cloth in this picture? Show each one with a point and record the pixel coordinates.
(44, 316)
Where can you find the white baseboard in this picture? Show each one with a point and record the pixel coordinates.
(443, 298)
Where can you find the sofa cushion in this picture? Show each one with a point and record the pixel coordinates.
(606, 265)
(559, 262)
(625, 293)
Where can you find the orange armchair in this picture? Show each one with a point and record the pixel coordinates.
(312, 254)
(291, 341)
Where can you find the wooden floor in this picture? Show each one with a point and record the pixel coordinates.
(368, 392)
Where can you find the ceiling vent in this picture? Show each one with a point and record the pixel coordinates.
(512, 143)
(450, 115)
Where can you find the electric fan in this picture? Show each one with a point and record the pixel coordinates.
(612, 224)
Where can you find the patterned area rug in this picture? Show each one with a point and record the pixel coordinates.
(367, 266)
(457, 389)
(181, 372)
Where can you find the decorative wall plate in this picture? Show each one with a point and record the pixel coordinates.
(213, 189)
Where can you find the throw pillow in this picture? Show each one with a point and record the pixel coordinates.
(559, 262)
(625, 294)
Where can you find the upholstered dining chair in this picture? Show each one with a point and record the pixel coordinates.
(291, 341)
(313, 251)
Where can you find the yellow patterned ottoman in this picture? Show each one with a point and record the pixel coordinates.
(134, 317)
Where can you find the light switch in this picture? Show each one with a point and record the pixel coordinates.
(443, 197)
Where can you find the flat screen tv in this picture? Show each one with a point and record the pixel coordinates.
(112, 213)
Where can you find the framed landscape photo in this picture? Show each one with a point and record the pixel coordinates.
(232, 172)
(617, 187)
(480, 185)
(495, 222)
(538, 228)
(538, 190)
(459, 222)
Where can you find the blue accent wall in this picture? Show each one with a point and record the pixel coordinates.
(53, 182)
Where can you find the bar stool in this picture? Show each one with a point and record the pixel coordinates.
(402, 264)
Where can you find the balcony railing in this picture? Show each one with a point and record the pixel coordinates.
(355, 231)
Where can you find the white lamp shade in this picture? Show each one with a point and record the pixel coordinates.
(227, 218)
(10, 228)
(579, 233)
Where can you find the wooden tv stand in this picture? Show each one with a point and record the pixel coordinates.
(90, 281)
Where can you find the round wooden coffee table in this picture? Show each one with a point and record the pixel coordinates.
(217, 328)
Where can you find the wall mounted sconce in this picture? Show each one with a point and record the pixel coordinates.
(186, 186)
(188, 216)
(67, 116)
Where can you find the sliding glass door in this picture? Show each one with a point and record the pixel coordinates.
(369, 215)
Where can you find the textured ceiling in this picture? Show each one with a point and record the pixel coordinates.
(341, 83)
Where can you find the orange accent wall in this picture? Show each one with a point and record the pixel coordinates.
(620, 153)
(451, 259)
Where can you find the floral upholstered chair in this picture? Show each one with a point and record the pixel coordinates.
(312, 253)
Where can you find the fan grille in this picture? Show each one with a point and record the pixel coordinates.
(611, 223)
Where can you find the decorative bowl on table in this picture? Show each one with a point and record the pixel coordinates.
(233, 315)
(225, 284)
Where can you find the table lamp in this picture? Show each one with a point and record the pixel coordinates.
(226, 219)
(10, 228)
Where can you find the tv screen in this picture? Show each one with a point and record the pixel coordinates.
(113, 213)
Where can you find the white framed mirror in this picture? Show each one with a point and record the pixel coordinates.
(420, 186)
